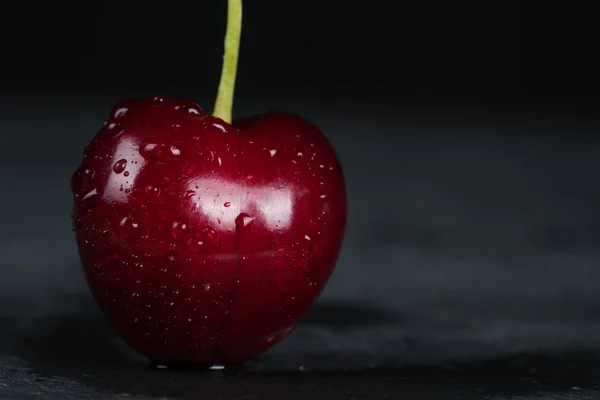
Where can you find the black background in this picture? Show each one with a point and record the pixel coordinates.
(403, 53)
(468, 136)
(389, 51)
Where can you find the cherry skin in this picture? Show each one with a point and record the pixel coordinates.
(203, 242)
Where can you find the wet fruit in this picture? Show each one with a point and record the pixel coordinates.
(202, 241)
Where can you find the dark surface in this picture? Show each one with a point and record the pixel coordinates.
(473, 278)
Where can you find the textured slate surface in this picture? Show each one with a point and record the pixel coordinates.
(469, 271)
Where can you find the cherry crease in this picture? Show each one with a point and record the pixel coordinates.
(203, 242)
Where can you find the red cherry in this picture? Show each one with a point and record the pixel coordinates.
(204, 242)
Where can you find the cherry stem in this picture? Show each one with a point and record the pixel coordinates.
(224, 102)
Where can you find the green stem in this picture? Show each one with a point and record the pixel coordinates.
(224, 103)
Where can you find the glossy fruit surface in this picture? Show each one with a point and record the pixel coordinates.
(204, 242)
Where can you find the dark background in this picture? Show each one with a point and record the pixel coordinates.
(467, 133)
(408, 52)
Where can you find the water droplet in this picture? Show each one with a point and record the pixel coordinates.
(126, 227)
(219, 126)
(82, 181)
(189, 109)
(159, 151)
(91, 193)
(120, 112)
(306, 237)
(273, 152)
(120, 166)
(178, 230)
(207, 286)
(152, 192)
(242, 221)
(126, 173)
(195, 245)
(76, 223)
(210, 233)
(158, 100)
(114, 129)
(227, 204)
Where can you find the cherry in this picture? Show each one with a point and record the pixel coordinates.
(204, 241)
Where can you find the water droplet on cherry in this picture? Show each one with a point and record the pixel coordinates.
(211, 233)
(219, 127)
(91, 193)
(242, 221)
(195, 245)
(189, 108)
(227, 204)
(76, 223)
(120, 166)
(153, 192)
(158, 150)
(126, 227)
(178, 230)
(114, 128)
(120, 112)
